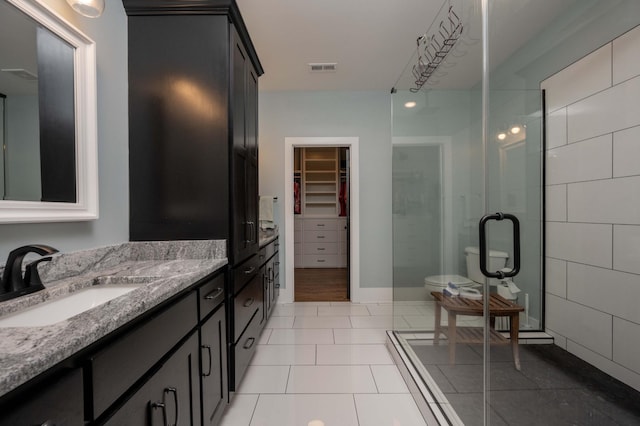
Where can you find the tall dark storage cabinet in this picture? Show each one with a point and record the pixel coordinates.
(193, 117)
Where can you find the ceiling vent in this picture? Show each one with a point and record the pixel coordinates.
(323, 67)
(22, 73)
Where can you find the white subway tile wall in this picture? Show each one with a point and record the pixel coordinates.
(593, 208)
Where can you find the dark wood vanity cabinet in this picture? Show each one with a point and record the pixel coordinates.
(170, 396)
(57, 400)
(193, 119)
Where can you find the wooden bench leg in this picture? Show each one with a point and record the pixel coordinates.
(452, 338)
(515, 328)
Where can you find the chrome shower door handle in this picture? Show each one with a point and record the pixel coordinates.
(516, 245)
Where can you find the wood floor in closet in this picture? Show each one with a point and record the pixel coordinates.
(321, 285)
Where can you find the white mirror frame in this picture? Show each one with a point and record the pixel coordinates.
(86, 207)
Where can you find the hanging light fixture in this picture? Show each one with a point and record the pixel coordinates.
(88, 8)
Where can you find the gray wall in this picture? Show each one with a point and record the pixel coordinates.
(366, 115)
(110, 34)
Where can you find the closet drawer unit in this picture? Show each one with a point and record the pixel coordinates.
(321, 248)
(297, 236)
(297, 224)
(118, 366)
(320, 237)
(343, 247)
(297, 248)
(298, 260)
(321, 261)
(320, 224)
(246, 303)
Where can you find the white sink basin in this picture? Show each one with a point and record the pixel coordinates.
(56, 310)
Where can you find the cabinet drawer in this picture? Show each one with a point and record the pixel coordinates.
(320, 236)
(297, 236)
(320, 224)
(297, 248)
(116, 367)
(245, 347)
(246, 303)
(175, 385)
(58, 403)
(297, 224)
(243, 273)
(268, 251)
(321, 261)
(213, 367)
(210, 295)
(321, 248)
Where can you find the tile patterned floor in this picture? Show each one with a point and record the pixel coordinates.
(325, 362)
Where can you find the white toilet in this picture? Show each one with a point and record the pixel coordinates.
(497, 261)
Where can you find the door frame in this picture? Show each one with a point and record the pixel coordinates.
(287, 293)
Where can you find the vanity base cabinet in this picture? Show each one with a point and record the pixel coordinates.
(213, 367)
(58, 401)
(170, 396)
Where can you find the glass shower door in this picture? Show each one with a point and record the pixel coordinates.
(452, 322)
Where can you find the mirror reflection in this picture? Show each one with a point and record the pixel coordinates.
(37, 111)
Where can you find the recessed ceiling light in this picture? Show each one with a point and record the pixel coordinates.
(410, 104)
(502, 136)
(515, 130)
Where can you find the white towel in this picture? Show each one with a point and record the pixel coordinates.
(266, 212)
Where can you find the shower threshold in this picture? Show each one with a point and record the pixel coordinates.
(553, 386)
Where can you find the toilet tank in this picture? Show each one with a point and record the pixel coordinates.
(497, 261)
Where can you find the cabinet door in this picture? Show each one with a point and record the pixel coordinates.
(170, 396)
(213, 367)
(244, 154)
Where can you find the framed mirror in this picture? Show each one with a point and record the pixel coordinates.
(48, 117)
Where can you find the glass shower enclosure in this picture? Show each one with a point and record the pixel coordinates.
(468, 148)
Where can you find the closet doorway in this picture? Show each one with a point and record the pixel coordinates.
(319, 222)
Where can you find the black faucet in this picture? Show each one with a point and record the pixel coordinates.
(13, 283)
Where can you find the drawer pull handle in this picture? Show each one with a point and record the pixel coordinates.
(208, 348)
(249, 270)
(174, 391)
(163, 407)
(249, 342)
(320, 248)
(248, 302)
(320, 224)
(321, 237)
(321, 260)
(214, 294)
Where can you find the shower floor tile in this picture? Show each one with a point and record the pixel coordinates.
(552, 388)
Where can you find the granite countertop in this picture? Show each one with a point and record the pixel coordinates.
(161, 269)
(267, 235)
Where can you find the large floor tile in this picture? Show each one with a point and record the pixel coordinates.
(264, 379)
(385, 322)
(280, 322)
(264, 337)
(302, 410)
(290, 336)
(331, 379)
(388, 379)
(284, 355)
(291, 310)
(353, 355)
(344, 310)
(322, 322)
(240, 410)
(359, 335)
(388, 409)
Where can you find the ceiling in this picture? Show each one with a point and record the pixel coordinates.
(373, 40)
